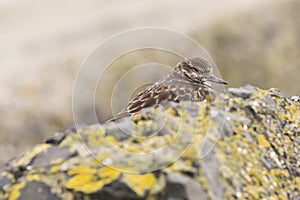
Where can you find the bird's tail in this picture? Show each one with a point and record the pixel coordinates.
(120, 115)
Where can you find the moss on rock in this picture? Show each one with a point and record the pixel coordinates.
(242, 144)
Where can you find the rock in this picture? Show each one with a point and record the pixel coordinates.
(51, 156)
(182, 187)
(244, 144)
(240, 92)
(56, 139)
(37, 190)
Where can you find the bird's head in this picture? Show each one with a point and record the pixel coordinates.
(197, 70)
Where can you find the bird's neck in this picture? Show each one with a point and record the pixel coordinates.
(177, 73)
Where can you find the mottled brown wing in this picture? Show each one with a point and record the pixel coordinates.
(172, 88)
(150, 96)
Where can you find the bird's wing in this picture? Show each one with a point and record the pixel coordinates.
(120, 115)
(150, 96)
(170, 88)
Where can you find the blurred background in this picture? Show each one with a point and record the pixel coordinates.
(43, 43)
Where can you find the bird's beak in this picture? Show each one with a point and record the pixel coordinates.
(215, 79)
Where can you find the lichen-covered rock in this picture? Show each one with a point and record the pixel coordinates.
(240, 144)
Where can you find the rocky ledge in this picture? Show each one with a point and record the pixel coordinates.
(240, 144)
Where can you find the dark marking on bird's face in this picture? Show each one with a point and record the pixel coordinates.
(198, 70)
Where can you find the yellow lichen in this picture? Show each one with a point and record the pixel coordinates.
(82, 170)
(95, 138)
(88, 180)
(248, 167)
(170, 111)
(262, 140)
(140, 183)
(81, 182)
(112, 141)
(54, 169)
(24, 160)
(33, 177)
(137, 117)
(8, 175)
(15, 191)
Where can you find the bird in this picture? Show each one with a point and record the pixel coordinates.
(190, 80)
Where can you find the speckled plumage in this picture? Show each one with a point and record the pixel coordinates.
(189, 81)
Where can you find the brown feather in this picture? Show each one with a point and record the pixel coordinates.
(187, 82)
